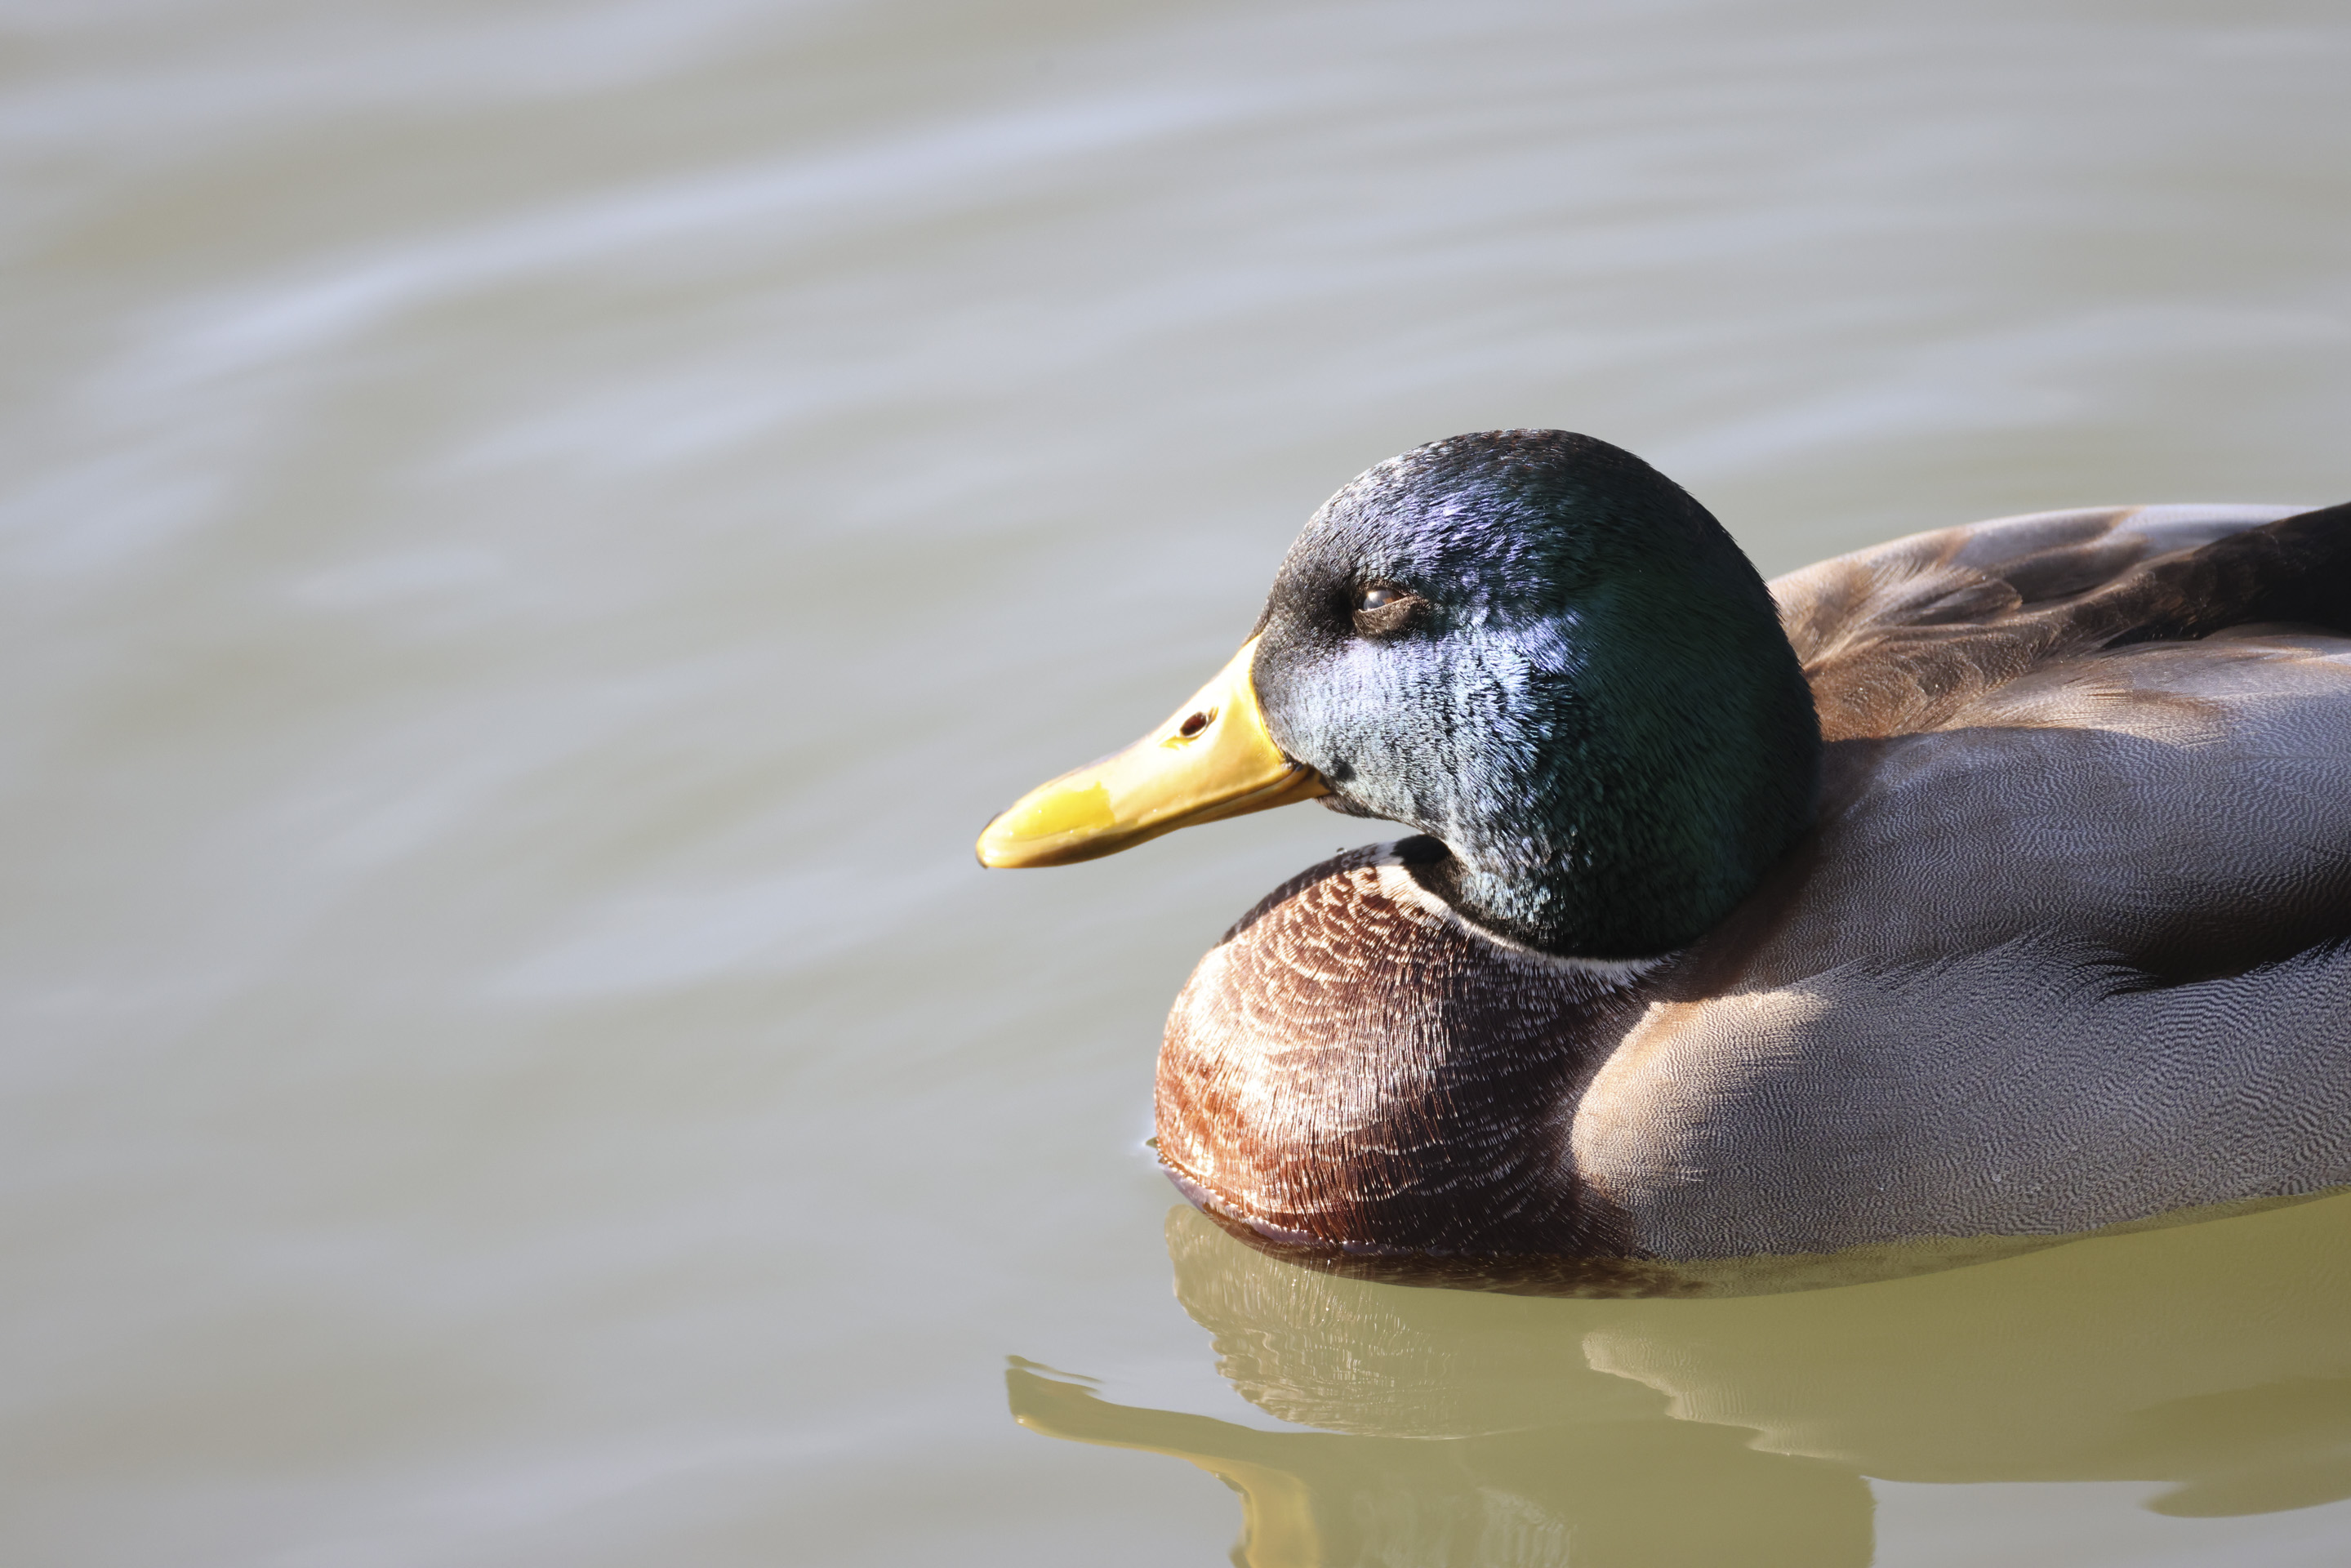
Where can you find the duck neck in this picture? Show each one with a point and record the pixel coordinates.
(1568, 909)
(1636, 833)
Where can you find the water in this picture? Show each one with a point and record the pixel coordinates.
(534, 535)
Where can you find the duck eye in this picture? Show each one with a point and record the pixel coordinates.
(1382, 608)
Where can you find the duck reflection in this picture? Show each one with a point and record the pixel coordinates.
(1696, 1426)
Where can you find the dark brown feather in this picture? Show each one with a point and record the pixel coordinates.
(1895, 639)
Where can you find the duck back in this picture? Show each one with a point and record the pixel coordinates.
(2068, 944)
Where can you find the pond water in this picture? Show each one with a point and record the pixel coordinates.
(534, 535)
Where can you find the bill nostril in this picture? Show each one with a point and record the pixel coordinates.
(1196, 723)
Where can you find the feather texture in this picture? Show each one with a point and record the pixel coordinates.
(2066, 945)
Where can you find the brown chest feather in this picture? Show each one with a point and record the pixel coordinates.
(1351, 1063)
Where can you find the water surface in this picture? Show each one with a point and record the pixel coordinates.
(533, 535)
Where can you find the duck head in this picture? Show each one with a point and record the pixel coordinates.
(1532, 648)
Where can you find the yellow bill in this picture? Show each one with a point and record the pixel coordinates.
(1213, 759)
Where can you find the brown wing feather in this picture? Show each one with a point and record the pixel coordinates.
(1899, 639)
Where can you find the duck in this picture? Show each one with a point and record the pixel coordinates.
(1992, 882)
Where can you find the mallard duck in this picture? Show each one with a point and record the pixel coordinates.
(1993, 881)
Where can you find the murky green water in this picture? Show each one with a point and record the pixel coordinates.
(534, 534)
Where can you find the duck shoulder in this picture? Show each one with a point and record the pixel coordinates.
(1902, 637)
